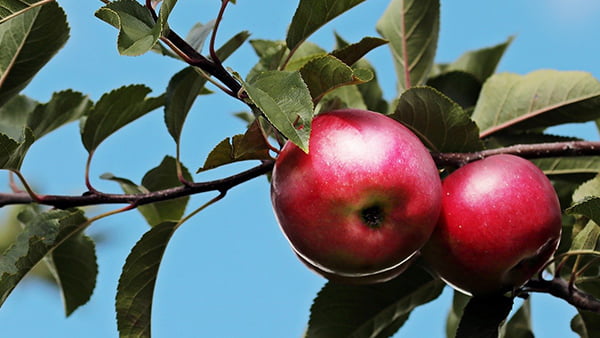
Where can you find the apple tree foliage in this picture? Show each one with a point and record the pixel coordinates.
(462, 111)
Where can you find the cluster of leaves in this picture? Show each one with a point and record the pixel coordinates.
(457, 107)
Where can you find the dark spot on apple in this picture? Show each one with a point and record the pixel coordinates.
(372, 216)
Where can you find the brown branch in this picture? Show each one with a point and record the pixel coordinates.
(95, 198)
(538, 150)
(561, 288)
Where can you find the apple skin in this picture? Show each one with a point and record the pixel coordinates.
(362, 201)
(500, 223)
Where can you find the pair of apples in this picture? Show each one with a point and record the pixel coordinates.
(367, 198)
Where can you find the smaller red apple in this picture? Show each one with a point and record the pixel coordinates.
(500, 222)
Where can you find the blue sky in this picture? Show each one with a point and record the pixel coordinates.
(229, 272)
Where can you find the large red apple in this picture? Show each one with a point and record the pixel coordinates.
(363, 200)
(500, 222)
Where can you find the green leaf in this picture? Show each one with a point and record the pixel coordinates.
(441, 124)
(589, 207)
(326, 73)
(285, 101)
(539, 99)
(114, 110)
(43, 233)
(311, 15)
(519, 325)
(181, 93)
(198, 34)
(350, 54)
(463, 88)
(162, 177)
(138, 32)
(586, 324)
(371, 92)
(138, 279)
(12, 152)
(29, 41)
(187, 84)
(14, 115)
(568, 165)
(587, 238)
(412, 28)
(306, 52)
(376, 310)
(64, 107)
(590, 188)
(22, 112)
(459, 301)
(481, 63)
(483, 316)
(252, 145)
(74, 262)
(11, 8)
(270, 53)
(342, 97)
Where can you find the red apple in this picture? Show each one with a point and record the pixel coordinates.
(500, 222)
(363, 200)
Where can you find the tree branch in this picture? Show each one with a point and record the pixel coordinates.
(95, 198)
(561, 288)
(537, 150)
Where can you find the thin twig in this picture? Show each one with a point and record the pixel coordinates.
(96, 198)
(537, 150)
(560, 288)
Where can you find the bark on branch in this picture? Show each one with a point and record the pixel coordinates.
(561, 288)
(537, 150)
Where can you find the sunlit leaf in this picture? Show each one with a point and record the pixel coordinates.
(286, 102)
(138, 278)
(376, 310)
(43, 233)
(29, 41)
(539, 99)
(114, 110)
(138, 32)
(326, 73)
(311, 15)
(412, 28)
(252, 145)
(441, 124)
